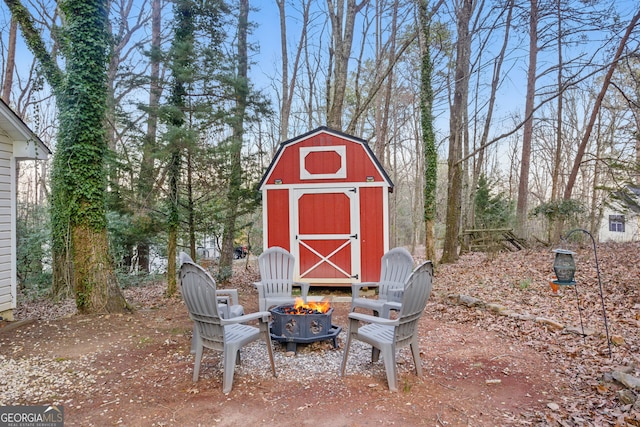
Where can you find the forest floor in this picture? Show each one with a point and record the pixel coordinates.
(498, 347)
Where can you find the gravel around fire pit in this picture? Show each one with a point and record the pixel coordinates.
(313, 361)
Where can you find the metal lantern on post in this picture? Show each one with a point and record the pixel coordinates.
(565, 268)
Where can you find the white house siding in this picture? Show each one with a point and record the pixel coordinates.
(631, 226)
(7, 222)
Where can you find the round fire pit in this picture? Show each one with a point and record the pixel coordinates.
(294, 325)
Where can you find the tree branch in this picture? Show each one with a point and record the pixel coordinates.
(33, 38)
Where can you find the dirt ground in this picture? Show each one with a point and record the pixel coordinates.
(140, 375)
(499, 347)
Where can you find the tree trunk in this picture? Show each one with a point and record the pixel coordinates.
(556, 228)
(81, 171)
(525, 160)
(495, 81)
(457, 131)
(555, 173)
(174, 218)
(384, 98)
(596, 108)
(428, 134)
(235, 181)
(95, 285)
(60, 251)
(172, 271)
(11, 62)
(191, 214)
(147, 176)
(181, 53)
(289, 85)
(341, 41)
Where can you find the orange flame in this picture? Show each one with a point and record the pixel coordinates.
(320, 307)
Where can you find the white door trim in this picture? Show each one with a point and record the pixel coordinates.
(352, 238)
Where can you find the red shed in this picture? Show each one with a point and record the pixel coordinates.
(325, 200)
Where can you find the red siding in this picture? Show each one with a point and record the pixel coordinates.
(372, 229)
(359, 164)
(278, 218)
(327, 213)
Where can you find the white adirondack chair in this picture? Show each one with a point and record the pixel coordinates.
(276, 279)
(387, 335)
(212, 330)
(397, 265)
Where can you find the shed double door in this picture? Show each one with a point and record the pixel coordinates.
(326, 232)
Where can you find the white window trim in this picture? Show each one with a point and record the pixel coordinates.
(341, 173)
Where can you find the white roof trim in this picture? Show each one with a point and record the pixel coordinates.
(26, 143)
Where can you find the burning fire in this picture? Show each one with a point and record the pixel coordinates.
(309, 308)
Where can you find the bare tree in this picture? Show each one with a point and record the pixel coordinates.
(147, 174)
(342, 27)
(464, 10)
(289, 85)
(495, 83)
(10, 64)
(525, 159)
(594, 114)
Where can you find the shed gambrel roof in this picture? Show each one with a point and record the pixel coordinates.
(327, 130)
(20, 133)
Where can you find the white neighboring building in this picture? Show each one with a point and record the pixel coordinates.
(621, 217)
(17, 142)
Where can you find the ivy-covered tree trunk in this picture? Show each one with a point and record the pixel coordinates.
(80, 245)
(428, 135)
(82, 147)
(174, 219)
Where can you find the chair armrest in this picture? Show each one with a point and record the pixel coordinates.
(231, 294)
(356, 287)
(223, 299)
(373, 319)
(263, 316)
(260, 287)
(388, 306)
(304, 289)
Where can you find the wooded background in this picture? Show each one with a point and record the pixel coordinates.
(526, 112)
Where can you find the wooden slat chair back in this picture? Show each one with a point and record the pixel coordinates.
(276, 279)
(389, 335)
(212, 331)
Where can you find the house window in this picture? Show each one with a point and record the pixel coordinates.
(616, 223)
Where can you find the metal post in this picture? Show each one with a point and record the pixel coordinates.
(595, 254)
